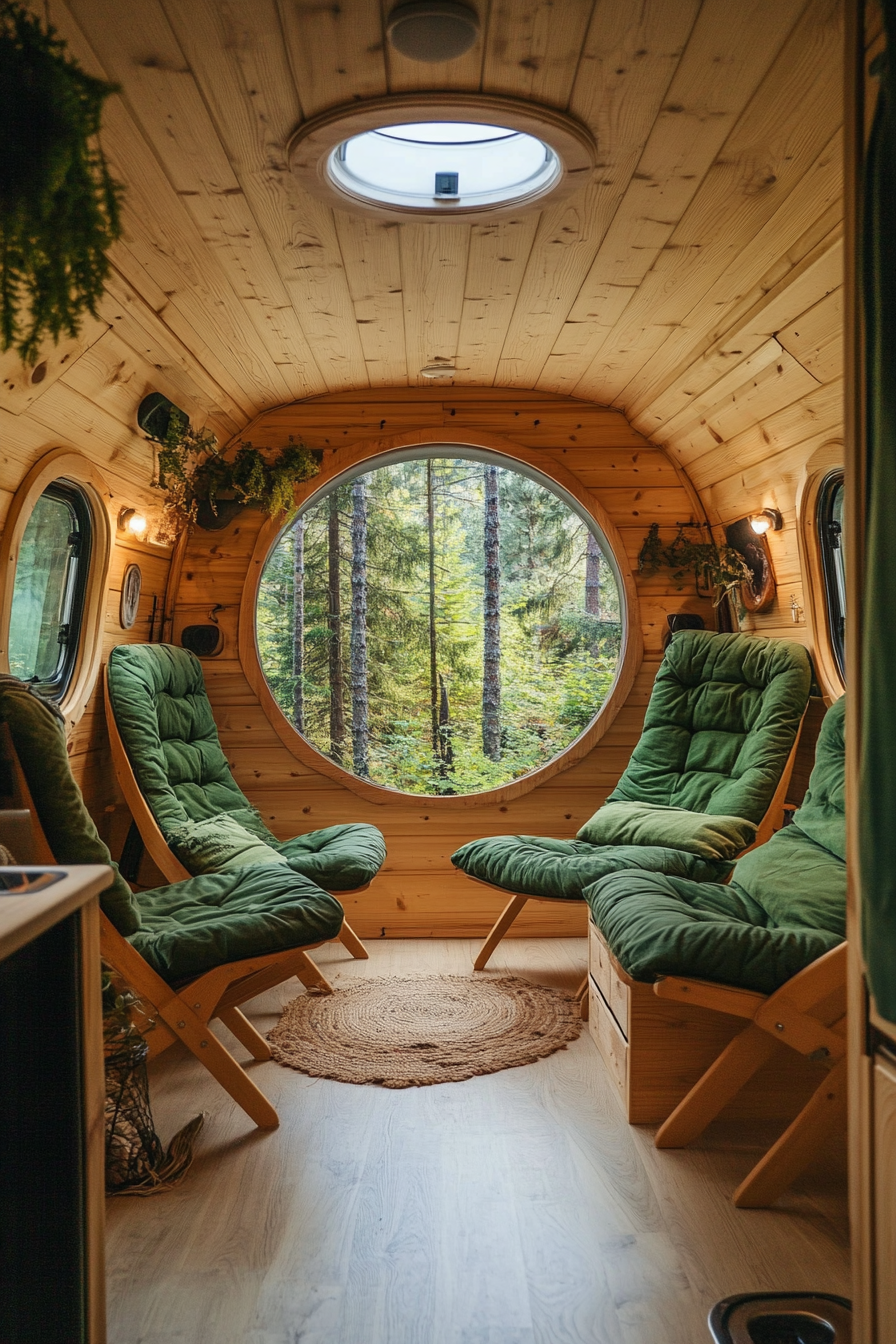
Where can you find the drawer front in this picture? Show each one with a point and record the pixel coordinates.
(615, 991)
(608, 1038)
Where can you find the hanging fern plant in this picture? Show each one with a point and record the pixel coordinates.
(59, 205)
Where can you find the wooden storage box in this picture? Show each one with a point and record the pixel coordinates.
(656, 1050)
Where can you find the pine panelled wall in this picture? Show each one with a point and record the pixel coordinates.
(419, 893)
(692, 286)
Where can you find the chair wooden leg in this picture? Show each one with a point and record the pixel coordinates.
(503, 923)
(222, 1066)
(245, 1033)
(798, 1145)
(722, 1080)
(310, 975)
(352, 942)
(582, 995)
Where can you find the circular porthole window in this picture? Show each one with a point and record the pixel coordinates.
(469, 155)
(440, 625)
(450, 163)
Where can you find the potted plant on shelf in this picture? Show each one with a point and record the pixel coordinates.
(59, 205)
(716, 570)
(204, 486)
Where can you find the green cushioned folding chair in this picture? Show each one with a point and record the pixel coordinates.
(704, 782)
(769, 948)
(191, 814)
(193, 951)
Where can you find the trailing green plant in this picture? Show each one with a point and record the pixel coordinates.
(716, 570)
(191, 470)
(59, 204)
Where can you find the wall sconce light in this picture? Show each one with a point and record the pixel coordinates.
(129, 520)
(757, 593)
(767, 520)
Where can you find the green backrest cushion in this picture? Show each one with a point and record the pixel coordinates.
(723, 716)
(38, 735)
(799, 877)
(712, 837)
(165, 720)
(219, 844)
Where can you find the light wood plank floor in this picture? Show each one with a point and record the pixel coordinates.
(518, 1208)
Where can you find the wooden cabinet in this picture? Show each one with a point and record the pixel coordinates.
(885, 1194)
(51, 1107)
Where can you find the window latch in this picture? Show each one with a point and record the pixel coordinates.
(834, 531)
(74, 543)
(64, 632)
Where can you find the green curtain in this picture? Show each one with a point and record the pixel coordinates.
(877, 785)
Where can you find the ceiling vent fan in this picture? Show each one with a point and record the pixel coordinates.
(432, 30)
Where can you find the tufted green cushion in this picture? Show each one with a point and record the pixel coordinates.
(165, 720)
(166, 724)
(722, 718)
(338, 858)
(38, 735)
(785, 905)
(193, 926)
(219, 843)
(661, 925)
(534, 865)
(648, 824)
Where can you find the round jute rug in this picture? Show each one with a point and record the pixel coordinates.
(411, 1031)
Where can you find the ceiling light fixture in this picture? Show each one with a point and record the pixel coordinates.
(767, 520)
(432, 30)
(438, 371)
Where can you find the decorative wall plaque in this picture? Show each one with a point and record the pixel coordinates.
(131, 587)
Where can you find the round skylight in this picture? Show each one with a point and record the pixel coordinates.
(428, 155)
(452, 164)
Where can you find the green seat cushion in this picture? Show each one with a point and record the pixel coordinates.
(712, 837)
(338, 858)
(722, 719)
(38, 734)
(533, 865)
(785, 904)
(166, 724)
(193, 926)
(661, 925)
(220, 843)
(823, 814)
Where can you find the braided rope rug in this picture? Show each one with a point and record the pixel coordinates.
(412, 1031)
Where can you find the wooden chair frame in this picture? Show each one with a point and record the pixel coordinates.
(183, 1012)
(514, 906)
(807, 1014)
(151, 834)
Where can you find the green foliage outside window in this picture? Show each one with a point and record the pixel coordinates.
(420, 690)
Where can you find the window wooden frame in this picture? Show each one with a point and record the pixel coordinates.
(64, 465)
(819, 468)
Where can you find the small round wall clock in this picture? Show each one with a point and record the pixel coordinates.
(131, 586)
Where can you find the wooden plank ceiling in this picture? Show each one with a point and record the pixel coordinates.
(673, 285)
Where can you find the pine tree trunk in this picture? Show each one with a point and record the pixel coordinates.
(491, 660)
(433, 677)
(592, 577)
(298, 624)
(334, 623)
(360, 703)
(592, 583)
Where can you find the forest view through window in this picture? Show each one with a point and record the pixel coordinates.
(439, 626)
